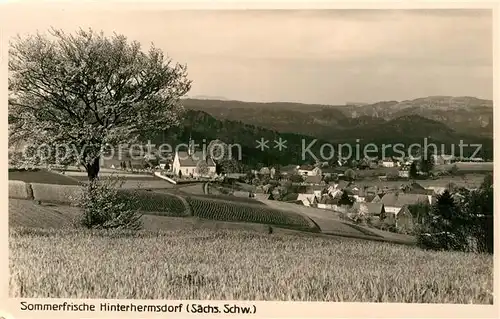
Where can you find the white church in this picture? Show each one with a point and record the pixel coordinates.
(187, 163)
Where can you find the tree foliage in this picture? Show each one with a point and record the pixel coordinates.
(202, 168)
(426, 162)
(413, 173)
(103, 207)
(350, 174)
(296, 178)
(462, 221)
(87, 91)
(345, 199)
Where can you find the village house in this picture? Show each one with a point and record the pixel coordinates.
(357, 192)
(370, 209)
(443, 159)
(332, 190)
(329, 171)
(437, 190)
(340, 185)
(394, 201)
(309, 170)
(313, 180)
(329, 202)
(316, 190)
(404, 171)
(408, 160)
(309, 200)
(387, 162)
(187, 163)
(402, 220)
(399, 161)
(289, 170)
(416, 188)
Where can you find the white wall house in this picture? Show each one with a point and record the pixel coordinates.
(404, 171)
(307, 199)
(187, 163)
(388, 162)
(307, 170)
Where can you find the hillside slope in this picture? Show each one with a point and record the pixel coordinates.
(463, 114)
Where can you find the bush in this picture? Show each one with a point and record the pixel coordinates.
(104, 208)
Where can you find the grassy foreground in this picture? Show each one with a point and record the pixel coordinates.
(236, 264)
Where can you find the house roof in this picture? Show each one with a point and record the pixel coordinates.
(288, 168)
(372, 208)
(376, 199)
(306, 167)
(371, 189)
(316, 179)
(290, 197)
(369, 197)
(437, 189)
(192, 160)
(329, 170)
(328, 200)
(402, 199)
(306, 198)
(264, 170)
(416, 188)
(415, 185)
(342, 184)
(404, 210)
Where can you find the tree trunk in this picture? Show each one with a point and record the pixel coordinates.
(93, 169)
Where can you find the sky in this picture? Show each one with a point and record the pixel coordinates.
(311, 56)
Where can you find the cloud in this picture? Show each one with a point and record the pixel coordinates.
(313, 55)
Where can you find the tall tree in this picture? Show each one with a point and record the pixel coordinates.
(479, 205)
(349, 174)
(426, 162)
(345, 199)
(413, 173)
(202, 168)
(447, 227)
(85, 91)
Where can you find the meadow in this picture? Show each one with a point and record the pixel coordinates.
(238, 264)
(188, 250)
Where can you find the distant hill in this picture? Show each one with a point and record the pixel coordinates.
(460, 113)
(209, 97)
(405, 130)
(463, 114)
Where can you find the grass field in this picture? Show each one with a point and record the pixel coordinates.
(47, 177)
(235, 264)
(480, 167)
(42, 176)
(175, 202)
(331, 222)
